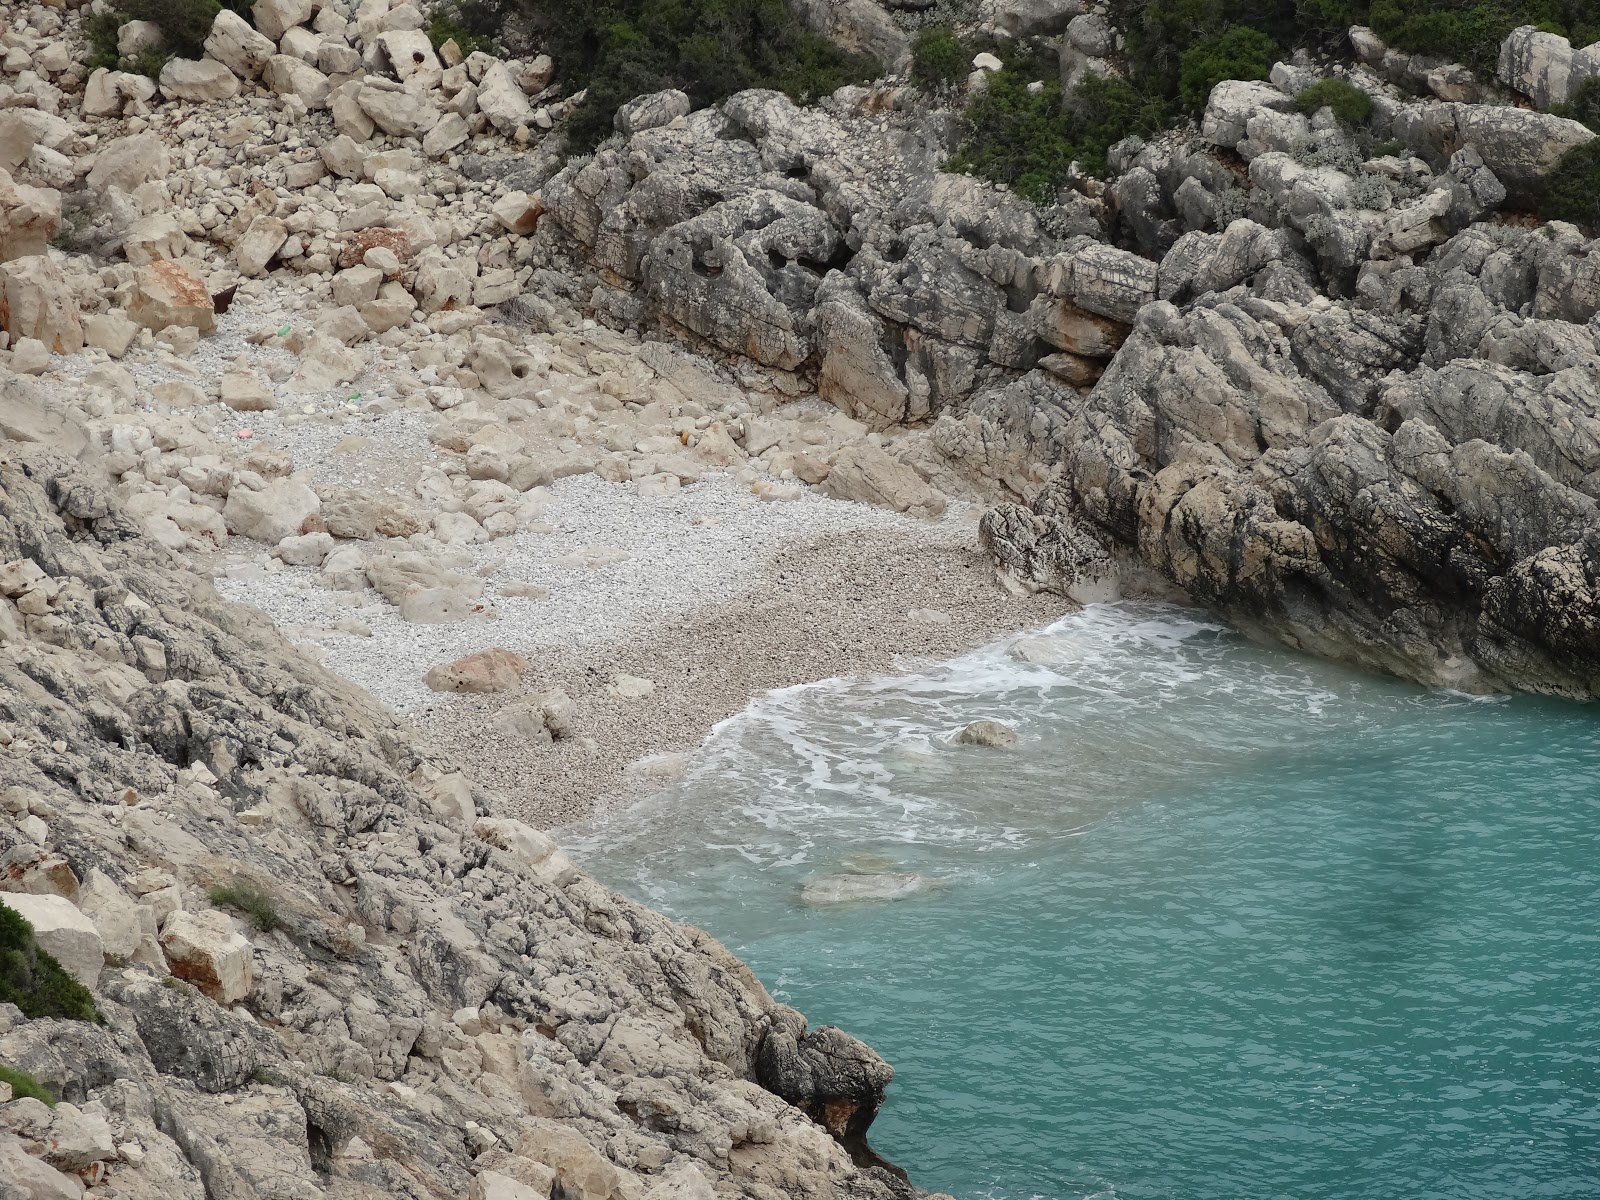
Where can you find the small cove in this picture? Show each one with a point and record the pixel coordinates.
(1227, 922)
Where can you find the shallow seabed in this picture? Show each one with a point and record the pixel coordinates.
(1227, 923)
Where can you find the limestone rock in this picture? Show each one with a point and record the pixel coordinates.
(290, 76)
(259, 245)
(204, 949)
(494, 670)
(652, 112)
(199, 81)
(283, 508)
(502, 101)
(63, 932)
(274, 18)
(29, 218)
(528, 846)
(987, 733)
(234, 43)
(169, 293)
(35, 302)
(158, 236)
(867, 474)
(129, 161)
(400, 113)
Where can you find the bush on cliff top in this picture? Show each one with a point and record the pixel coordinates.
(619, 49)
(33, 980)
(1028, 140)
(1349, 103)
(1573, 193)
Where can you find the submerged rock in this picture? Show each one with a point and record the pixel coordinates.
(855, 889)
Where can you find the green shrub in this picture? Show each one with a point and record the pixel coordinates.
(619, 49)
(249, 899)
(33, 980)
(938, 59)
(101, 31)
(1584, 104)
(184, 23)
(23, 1084)
(1238, 52)
(1573, 193)
(1350, 104)
(470, 25)
(1028, 140)
(1470, 31)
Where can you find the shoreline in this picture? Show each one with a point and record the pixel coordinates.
(709, 663)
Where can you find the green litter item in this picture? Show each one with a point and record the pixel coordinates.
(284, 332)
(355, 395)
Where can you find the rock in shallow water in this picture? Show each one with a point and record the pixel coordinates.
(855, 889)
(987, 733)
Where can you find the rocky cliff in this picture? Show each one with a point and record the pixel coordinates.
(323, 968)
(1344, 396)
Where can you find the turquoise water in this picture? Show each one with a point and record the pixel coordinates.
(1227, 923)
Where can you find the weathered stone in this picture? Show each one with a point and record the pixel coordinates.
(63, 932)
(200, 82)
(487, 671)
(237, 46)
(35, 302)
(204, 949)
(169, 293)
(283, 508)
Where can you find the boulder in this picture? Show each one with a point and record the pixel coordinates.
(1545, 67)
(856, 889)
(502, 101)
(987, 733)
(1035, 18)
(115, 915)
(197, 80)
(868, 475)
(206, 950)
(158, 236)
(36, 302)
(651, 112)
(493, 670)
(517, 212)
(274, 18)
(259, 244)
(408, 51)
(129, 161)
(237, 46)
(1522, 148)
(31, 1178)
(29, 218)
(169, 293)
(530, 847)
(286, 75)
(283, 508)
(398, 113)
(63, 932)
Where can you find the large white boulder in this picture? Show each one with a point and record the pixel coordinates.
(205, 949)
(502, 100)
(63, 932)
(274, 18)
(534, 849)
(198, 80)
(286, 75)
(128, 162)
(237, 46)
(398, 113)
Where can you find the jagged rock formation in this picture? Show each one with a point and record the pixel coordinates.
(1332, 402)
(426, 1002)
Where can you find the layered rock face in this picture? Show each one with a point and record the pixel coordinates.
(427, 1002)
(1330, 396)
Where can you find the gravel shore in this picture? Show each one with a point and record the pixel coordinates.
(720, 596)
